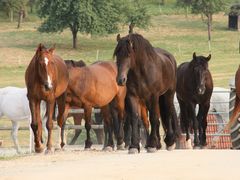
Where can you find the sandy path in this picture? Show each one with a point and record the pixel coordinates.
(178, 164)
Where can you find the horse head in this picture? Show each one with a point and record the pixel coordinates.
(199, 67)
(45, 66)
(125, 58)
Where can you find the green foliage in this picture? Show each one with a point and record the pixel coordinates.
(234, 10)
(208, 7)
(136, 13)
(87, 16)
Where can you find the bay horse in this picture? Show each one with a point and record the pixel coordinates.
(194, 86)
(150, 76)
(78, 117)
(46, 78)
(95, 86)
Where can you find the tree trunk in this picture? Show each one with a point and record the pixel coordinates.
(11, 15)
(131, 26)
(20, 17)
(74, 33)
(162, 2)
(209, 23)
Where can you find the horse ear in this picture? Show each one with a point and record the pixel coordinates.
(209, 57)
(40, 47)
(194, 55)
(52, 49)
(118, 37)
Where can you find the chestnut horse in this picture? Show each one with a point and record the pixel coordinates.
(46, 79)
(194, 86)
(236, 109)
(150, 76)
(95, 86)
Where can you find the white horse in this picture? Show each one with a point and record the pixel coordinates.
(15, 106)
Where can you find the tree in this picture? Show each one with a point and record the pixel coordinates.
(136, 14)
(208, 8)
(186, 4)
(86, 16)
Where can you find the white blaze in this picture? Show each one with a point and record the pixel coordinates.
(49, 79)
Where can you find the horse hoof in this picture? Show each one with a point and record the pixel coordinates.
(172, 147)
(133, 151)
(58, 149)
(49, 151)
(151, 149)
(189, 144)
(39, 149)
(204, 147)
(121, 146)
(108, 149)
(196, 147)
(87, 149)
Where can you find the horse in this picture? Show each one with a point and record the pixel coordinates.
(95, 86)
(150, 77)
(234, 121)
(194, 86)
(15, 106)
(77, 118)
(46, 78)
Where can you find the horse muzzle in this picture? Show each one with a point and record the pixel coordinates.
(201, 90)
(122, 81)
(48, 87)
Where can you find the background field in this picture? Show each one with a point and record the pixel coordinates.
(169, 29)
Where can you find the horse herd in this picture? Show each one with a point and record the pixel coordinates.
(138, 88)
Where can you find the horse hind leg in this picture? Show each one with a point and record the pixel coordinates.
(77, 121)
(169, 119)
(14, 134)
(88, 113)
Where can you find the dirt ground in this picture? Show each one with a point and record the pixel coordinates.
(96, 164)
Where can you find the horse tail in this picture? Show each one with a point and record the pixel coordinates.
(235, 113)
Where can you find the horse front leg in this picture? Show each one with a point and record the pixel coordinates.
(135, 123)
(36, 124)
(88, 113)
(49, 125)
(192, 115)
(108, 145)
(204, 111)
(154, 111)
(14, 134)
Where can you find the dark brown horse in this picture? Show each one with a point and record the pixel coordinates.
(95, 86)
(46, 79)
(194, 86)
(150, 76)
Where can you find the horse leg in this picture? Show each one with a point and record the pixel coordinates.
(184, 120)
(49, 125)
(127, 130)
(63, 109)
(88, 113)
(108, 128)
(77, 121)
(14, 134)
(146, 125)
(204, 109)
(192, 115)
(98, 132)
(135, 119)
(153, 106)
(36, 124)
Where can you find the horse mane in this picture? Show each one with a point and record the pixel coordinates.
(73, 63)
(134, 42)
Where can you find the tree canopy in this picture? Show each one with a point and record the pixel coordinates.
(91, 16)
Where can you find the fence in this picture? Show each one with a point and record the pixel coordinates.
(216, 137)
